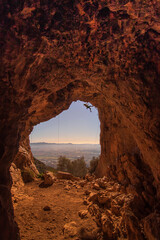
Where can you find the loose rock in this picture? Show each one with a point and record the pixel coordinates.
(96, 186)
(67, 187)
(103, 199)
(87, 192)
(107, 226)
(65, 175)
(46, 208)
(93, 197)
(83, 214)
(49, 179)
(70, 229)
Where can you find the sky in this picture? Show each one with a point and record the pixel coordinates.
(76, 125)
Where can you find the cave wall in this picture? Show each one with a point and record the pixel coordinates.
(24, 158)
(104, 52)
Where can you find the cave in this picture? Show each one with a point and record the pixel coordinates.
(106, 53)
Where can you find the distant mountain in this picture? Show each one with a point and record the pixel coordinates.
(45, 143)
(40, 143)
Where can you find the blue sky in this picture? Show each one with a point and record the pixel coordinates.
(75, 125)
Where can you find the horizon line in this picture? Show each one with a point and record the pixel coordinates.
(62, 143)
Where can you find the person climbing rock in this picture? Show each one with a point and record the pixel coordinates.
(88, 106)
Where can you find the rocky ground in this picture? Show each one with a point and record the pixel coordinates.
(75, 209)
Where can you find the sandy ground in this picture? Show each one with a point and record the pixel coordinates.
(35, 223)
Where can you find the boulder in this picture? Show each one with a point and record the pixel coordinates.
(70, 229)
(49, 179)
(65, 175)
(85, 233)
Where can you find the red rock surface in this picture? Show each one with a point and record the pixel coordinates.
(104, 52)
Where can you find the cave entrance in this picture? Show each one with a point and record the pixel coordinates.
(48, 210)
(73, 134)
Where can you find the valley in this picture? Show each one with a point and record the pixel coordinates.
(49, 153)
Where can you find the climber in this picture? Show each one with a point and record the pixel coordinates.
(88, 106)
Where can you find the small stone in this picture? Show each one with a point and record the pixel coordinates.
(67, 187)
(89, 177)
(102, 183)
(102, 199)
(46, 208)
(48, 228)
(96, 186)
(93, 197)
(116, 187)
(107, 225)
(82, 183)
(87, 192)
(85, 202)
(120, 200)
(94, 210)
(115, 209)
(83, 214)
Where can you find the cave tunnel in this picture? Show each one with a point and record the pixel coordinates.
(108, 54)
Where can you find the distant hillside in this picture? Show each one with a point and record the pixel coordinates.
(42, 167)
(40, 143)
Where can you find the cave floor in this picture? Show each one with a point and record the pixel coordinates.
(64, 200)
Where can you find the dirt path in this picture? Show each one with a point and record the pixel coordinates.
(62, 206)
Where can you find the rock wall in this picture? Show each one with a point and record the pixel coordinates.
(24, 161)
(104, 52)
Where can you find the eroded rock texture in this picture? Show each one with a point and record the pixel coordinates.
(104, 52)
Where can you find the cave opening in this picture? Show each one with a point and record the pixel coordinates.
(61, 201)
(120, 167)
(72, 134)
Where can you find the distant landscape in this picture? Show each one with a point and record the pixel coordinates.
(49, 153)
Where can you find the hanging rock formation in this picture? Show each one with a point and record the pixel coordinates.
(103, 52)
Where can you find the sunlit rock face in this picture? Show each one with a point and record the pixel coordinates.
(104, 52)
(24, 161)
